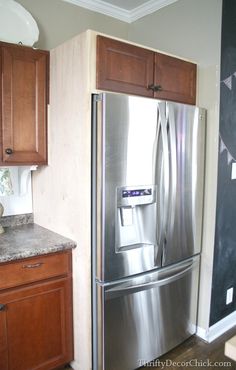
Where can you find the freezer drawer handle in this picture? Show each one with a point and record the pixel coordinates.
(110, 293)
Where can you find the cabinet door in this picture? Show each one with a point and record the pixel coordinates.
(123, 67)
(3, 340)
(24, 105)
(39, 325)
(176, 78)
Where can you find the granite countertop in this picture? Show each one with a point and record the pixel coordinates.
(30, 240)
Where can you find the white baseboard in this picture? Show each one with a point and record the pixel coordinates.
(75, 365)
(217, 329)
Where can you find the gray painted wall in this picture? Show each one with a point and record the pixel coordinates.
(188, 28)
(59, 21)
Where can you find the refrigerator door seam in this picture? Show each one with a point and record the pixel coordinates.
(94, 233)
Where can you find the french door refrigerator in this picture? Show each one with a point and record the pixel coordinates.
(147, 201)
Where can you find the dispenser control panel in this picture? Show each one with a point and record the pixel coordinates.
(136, 192)
(128, 196)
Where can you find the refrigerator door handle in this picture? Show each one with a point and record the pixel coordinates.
(156, 169)
(166, 172)
(173, 167)
(174, 275)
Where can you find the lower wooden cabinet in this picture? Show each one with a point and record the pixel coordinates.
(36, 325)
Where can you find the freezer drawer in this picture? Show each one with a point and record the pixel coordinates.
(142, 318)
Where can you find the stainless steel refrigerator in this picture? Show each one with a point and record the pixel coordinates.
(147, 201)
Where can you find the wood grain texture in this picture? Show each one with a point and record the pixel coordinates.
(177, 79)
(62, 194)
(123, 67)
(34, 269)
(36, 326)
(24, 104)
(3, 341)
(38, 320)
(126, 68)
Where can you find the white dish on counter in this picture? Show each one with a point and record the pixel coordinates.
(16, 24)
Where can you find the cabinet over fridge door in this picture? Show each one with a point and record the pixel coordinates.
(186, 140)
(124, 206)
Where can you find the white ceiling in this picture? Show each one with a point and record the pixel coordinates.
(127, 4)
(124, 10)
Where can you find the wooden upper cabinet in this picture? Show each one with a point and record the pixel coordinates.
(123, 67)
(24, 104)
(126, 68)
(176, 78)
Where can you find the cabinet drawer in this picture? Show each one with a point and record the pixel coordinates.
(34, 269)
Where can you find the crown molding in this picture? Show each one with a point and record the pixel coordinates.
(148, 8)
(124, 15)
(103, 8)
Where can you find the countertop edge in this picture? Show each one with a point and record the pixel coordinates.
(32, 240)
(47, 250)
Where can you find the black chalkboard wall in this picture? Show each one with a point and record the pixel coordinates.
(224, 268)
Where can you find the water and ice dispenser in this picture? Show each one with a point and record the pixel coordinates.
(136, 217)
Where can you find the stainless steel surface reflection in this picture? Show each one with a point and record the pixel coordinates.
(147, 204)
(126, 156)
(147, 316)
(186, 143)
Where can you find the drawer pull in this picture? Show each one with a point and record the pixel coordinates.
(32, 266)
(2, 307)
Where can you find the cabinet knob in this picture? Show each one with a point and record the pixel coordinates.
(2, 307)
(8, 151)
(155, 87)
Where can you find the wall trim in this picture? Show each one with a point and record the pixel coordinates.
(217, 329)
(75, 365)
(122, 14)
